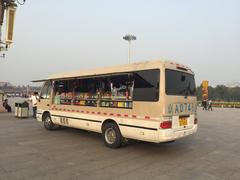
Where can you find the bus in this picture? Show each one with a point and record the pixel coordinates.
(153, 101)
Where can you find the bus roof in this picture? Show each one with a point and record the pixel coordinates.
(118, 69)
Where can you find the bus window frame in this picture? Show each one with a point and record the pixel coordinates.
(48, 90)
(157, 87)
(130, 73)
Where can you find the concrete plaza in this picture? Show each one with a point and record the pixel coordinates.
(28, 151)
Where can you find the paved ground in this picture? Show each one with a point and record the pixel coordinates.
(28, 151)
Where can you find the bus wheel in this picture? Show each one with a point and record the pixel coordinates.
(48, 124)
(111, 135)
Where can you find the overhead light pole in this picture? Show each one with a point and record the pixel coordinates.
(8, 7)
(129, 38)
(2, 10)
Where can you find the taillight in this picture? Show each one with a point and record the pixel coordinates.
(166, 125)
(195, 120)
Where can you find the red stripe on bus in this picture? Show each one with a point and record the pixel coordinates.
(99, 113)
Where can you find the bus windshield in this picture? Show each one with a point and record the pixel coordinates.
(180, 83)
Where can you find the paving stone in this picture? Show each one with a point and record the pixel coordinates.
(28, 151)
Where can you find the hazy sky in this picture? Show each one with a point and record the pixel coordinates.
(62, 35)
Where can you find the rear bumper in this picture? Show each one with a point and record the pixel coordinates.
(170, 134)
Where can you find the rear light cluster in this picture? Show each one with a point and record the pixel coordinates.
(195, 120)
(166, 125)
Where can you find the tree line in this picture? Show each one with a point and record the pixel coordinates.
(221, 93)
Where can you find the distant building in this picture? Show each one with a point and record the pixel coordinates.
(12, 90)
(5, 84)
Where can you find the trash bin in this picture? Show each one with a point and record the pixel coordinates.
(22, 110)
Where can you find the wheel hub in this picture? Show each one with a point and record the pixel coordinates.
(48, 121)
(110, 135)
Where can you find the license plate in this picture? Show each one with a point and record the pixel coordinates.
(183, 121)
(181, 109)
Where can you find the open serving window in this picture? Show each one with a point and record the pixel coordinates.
(113, 91)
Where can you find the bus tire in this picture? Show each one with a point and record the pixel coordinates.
(111, 135)
(48, 124)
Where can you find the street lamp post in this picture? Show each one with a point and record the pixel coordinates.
(8, 7)
(129, 38)
(2, 9)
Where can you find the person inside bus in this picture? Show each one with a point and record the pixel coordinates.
(57, 98)
(130, 87)
(92, 89)
(114, 90)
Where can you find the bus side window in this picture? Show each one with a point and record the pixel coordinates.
(146, 85)
(46, 91)
(49, 91)
(121, 86)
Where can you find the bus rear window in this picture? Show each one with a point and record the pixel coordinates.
(180, 83)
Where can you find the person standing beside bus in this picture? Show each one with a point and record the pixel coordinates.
(34, 99)
(6, 105)
(210, 105)
(204, 104)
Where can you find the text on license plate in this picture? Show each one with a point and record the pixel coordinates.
(183, 121)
